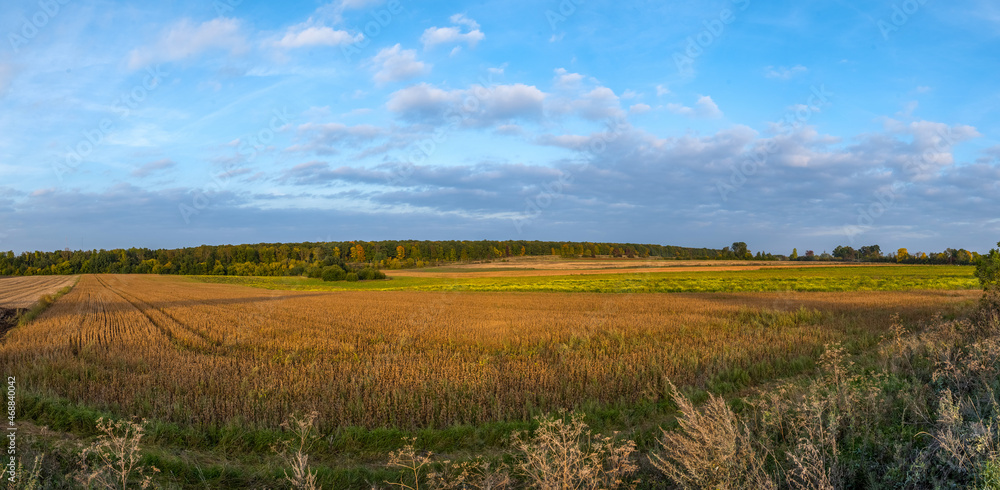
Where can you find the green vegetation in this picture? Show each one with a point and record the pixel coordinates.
(310, 258)
(870, 278)
(988, 269)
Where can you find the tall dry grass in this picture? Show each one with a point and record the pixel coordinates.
(205, 354)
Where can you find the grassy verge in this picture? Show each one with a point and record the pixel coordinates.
(829, 279)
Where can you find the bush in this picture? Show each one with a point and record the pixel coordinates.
(369, 273)
(334, 273)
(988, 269)
(352, 277)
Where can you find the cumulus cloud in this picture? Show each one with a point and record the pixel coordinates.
(396, 64)
(453, 34)
(476, 105)
(186, 39)
(704, 107)
(301, 36)
(151, 167)
(567, 80)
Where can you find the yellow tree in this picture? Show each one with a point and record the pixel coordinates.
(400, 252)
(902, 255)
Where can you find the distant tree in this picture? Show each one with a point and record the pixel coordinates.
(795, 254)
(902, 255)
(870, 252)
(740, 251)
(846, 254)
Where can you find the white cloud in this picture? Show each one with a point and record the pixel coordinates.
(185, 40)
(421, 99)
(784, 73)
(567, 80)
(600, 103)
(497, 103)
(461, 19)
(396, 64)
(639, 109)
(453, 34)
(299, 36)
(704, 107)
(662, 90)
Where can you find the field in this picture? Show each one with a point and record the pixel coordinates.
(694, 279)
(23, 292)
(423, 356)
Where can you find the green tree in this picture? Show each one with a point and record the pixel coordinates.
(795, 254)
(741, 251)
(988, 269)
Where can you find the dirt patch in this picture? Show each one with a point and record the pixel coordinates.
(8, 319)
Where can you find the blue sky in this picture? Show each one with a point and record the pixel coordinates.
(783, 124)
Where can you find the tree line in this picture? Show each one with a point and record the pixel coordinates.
(312, 258)
(348, 260)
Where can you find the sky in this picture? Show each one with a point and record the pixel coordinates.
(782, 124)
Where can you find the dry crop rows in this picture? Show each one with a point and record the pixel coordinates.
(23, 292)
(214, 354)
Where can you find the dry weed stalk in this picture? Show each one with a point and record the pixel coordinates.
(563, 453)
(112, 461)
(295, 452)
(712, 449)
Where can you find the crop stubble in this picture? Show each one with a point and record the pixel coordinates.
(214, 354)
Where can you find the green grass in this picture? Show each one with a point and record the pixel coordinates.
(871, 278)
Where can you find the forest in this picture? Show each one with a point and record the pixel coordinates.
(361, 257)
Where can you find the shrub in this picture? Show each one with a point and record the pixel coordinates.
(352, 277)
(334, 273)
(988, 269)
(370, 273)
